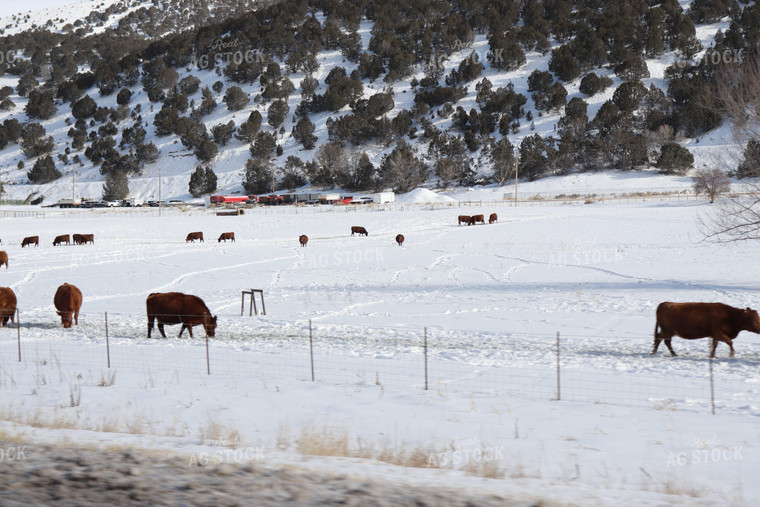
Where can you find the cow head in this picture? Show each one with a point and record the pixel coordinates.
(66, 318)
(210, 325)
(752, 320)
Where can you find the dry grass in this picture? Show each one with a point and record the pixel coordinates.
(217, 434)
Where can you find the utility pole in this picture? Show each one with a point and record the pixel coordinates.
(517, 168)
(160, 204)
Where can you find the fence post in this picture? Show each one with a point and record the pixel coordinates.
(311, 351)
(426, 359)
(559, 397)
(108, 345)
(18, 332)
(208, 361)
(712, 385)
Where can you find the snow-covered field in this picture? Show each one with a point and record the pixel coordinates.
(630, 428)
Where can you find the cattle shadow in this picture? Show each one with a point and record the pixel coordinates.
(689, 357)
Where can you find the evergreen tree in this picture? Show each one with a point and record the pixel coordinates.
(674, 159)
(202, 181)
(116, 186)
(43, 171)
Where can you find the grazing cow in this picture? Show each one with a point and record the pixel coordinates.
(225, 236)
(63, 238)
(77, 239)
(478, 218)
(178, 308)
(88, 238)
(31, 240)
(7, 305)
(400, 239)
(701, 320)
(467, 219)
(4, 258)
(493, 218)
(361, 231)
(191, 237)
(68, 301)
(303, 239)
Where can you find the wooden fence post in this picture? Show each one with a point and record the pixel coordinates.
(208, 360)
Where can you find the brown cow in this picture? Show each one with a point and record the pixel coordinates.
(467, 219)
(77, 239)
(493, 218)
(68, 301)
(225, 236)
(478, 218)
(361, 231)
(7, 305)
(88, 238)
(400, 239)
(63, 238)
(303, 239)
(178, 308)
(191, 237)
(701, 320)
(4, 258)
(31, 240)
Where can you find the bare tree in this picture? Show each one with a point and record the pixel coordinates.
(737, 89)
(712, 182)
(735, 218)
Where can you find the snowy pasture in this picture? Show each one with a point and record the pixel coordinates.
(490, 299)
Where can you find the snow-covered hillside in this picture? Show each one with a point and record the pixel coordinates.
(176, 162)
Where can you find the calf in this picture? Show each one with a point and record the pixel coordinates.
(303, 239)
(492, 218)
(225, 236)
(464, 219)
(400, 239)
(478, 218)
(361, 231)
(4, 258)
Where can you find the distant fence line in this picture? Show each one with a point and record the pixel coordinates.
(316, 353)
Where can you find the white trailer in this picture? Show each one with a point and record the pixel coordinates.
(383, 197)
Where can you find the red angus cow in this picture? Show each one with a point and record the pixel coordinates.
(178, 308)
(31, 240)
(303, 239)
(225, 236)
(720, 322)
(361, 231)
(63, 238)
(478, 218)
(77, 239)
(493, 218)
(7, 305)
(467, 219)
(400, 239)
(68, 301)
(193, 236)
(4, 258)
(88, 238)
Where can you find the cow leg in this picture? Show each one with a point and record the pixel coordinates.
(180, 330)
(670, 348)
(76, 317)
(161, 329)
(150, 324)
(656, 345)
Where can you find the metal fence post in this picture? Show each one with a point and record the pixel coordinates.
(108, 345)
(712, 384)
(425, 349)
(311, 351)
(559, 392)
(208, 361)
(18, 332)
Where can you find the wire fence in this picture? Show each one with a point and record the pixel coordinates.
(521, 366)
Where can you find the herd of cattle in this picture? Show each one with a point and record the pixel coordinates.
(477, 219)
(718, 321)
